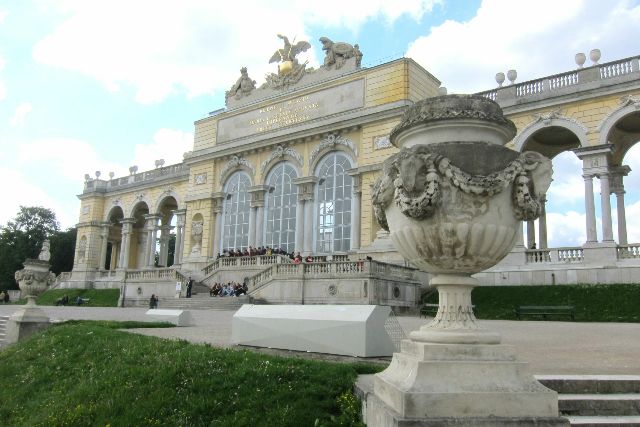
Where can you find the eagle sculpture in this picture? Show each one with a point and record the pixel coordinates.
(289, 51)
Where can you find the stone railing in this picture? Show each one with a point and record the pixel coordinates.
(244, 261)
(170, 171)
(629, 251)
(153, 274)
(324, 270)
(110, 274)
(607, 74)
(555, 255)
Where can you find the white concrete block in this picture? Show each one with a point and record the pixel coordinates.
(352, 330)
(177, 317)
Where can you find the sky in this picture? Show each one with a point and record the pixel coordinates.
(88, 85)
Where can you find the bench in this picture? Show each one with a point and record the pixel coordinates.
(546, 310)
(82, 301)
(432, 309)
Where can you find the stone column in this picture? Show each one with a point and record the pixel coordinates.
(165, 236)
(259, 225)
(104, 234)
(127, 225)
(307, 246)
(217, 205)
(605, 203)
(300, 225)
(531, 234)
(590, 209)
(306, 193)
(150, 248)
(355, 209)
(616, 184)
(180, 221)
(256, 216)
(252, 226)
(542, 223)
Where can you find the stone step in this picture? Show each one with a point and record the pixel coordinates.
(612, 421)
(591, 384)
(204, 303)
(614, 404)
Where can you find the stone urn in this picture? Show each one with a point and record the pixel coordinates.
(34, 279)
(453, 199)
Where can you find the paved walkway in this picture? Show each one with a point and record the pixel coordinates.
(549, 347)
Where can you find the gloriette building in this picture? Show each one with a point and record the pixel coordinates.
(290, 164)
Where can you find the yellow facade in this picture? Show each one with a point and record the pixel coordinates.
(302, 121)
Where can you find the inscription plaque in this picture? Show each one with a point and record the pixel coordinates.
(294, 111)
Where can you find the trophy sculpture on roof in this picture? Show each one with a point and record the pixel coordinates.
(290, 71)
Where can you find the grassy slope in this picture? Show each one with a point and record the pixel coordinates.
(89, 374)
(593, 303)
(97, 297)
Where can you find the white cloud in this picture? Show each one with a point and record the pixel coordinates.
(535, 39)
(24, 192)
(160, 48)
(168, 144)
(67, 158)
(20, 115)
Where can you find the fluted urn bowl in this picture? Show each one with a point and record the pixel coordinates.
(33, 279)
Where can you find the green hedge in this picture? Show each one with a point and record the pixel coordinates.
(593, 303)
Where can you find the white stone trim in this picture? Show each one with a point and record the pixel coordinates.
(551, 119)
(236, 163)
(279, 152)
(330, 142)
(628, 104)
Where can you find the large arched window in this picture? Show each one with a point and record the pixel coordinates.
(334, 204)
(236, 212)
(281, 208)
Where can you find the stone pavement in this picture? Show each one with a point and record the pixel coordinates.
(550, 348)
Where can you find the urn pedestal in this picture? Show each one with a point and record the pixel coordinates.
(33, 279)
(453, 199)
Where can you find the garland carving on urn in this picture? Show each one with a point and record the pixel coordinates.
(413, 179)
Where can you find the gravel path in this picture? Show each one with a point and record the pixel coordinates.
(549, 347)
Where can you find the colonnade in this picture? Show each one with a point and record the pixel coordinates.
(121, 249)
(611, 182)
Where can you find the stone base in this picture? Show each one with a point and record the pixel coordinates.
(377, 414)
(428, 381)
(26, 322)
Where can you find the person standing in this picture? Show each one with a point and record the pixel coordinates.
(153, 302)
(189, 287)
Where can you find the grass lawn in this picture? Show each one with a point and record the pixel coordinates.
(593, 303)
(88, 373)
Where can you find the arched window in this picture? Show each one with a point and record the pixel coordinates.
(281, 208)
(334, 204)
(236, 212)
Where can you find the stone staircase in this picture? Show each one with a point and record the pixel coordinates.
(3, 329)
(597, 400)
(202, 301)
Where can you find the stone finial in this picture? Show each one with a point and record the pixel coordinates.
(98, 173)
(159, 163)
(512, 75)
(133, 169)
(594, 55)
(500, 78)
(111, 175)
(580, 59)
(45, 255)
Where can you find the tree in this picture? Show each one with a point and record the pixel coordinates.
(63, 246)
(22, 238)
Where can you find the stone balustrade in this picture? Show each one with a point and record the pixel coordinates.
(555, 255)
(244, 261)
(153, 274)
(171, 171)
(629, 251)
(569, 82)
(324, 270)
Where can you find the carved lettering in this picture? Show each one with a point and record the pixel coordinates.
(284, 114)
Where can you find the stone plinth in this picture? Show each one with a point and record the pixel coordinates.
(457, 380)
(26, 322)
